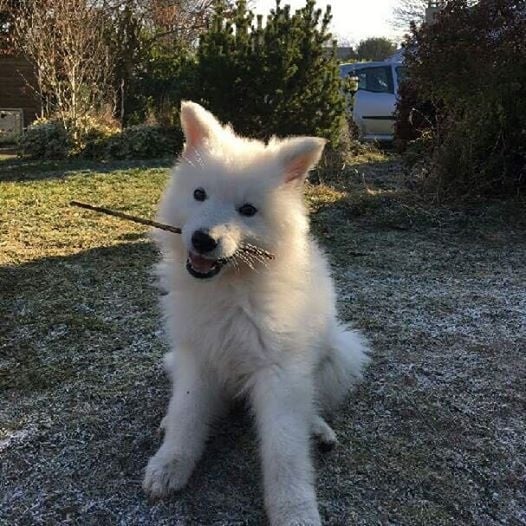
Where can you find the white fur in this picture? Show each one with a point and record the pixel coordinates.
(266, 330)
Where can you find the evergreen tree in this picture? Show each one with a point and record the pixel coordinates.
(279, 77)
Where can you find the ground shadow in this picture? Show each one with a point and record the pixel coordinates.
(15, 169)
(81, 373)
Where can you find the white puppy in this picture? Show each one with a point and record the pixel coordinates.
(242, 325)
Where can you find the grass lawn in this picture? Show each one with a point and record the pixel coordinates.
(435, 436)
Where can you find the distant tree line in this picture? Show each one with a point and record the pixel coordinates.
(374, 48)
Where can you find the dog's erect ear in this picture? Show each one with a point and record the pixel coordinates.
(298, 155)
(198, 124)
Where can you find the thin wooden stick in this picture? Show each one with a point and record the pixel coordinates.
(128, 217)
(175, 230)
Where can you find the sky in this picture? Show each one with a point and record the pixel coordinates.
(353, 20)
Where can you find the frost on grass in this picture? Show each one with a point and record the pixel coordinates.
(434, 436)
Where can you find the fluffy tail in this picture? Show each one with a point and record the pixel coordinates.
(343, 366)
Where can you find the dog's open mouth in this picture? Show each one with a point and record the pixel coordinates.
(201, 267)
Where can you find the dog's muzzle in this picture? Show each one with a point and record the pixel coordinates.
(203, 268)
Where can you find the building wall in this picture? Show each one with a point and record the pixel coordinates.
(15, 73)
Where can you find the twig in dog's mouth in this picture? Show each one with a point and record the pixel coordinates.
(127, 217)
(250, 249)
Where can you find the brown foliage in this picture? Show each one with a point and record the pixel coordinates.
(468, 70)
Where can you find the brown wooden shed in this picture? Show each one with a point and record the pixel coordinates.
(15, 74)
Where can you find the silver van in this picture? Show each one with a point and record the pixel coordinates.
(375, 98)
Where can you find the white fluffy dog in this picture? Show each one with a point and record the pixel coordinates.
(241, 325)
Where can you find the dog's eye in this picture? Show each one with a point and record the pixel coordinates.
(247, 210)
(199, 194)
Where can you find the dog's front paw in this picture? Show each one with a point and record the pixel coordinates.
(165, 473)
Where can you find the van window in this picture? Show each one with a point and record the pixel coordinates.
(377, 79)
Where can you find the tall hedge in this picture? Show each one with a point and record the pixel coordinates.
(467, 82)
(278, 76)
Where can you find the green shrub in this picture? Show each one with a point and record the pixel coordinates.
(280, 77)
(94, 134)
(45, 140)
(144, 142)
(100, 140)
(163, 79)
(468, 74)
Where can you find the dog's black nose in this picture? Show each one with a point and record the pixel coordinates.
(202, 241)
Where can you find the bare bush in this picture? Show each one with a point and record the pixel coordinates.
(408, 11)
(64, 39)
(180, 20)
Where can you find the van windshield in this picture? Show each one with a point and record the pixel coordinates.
(378, 79)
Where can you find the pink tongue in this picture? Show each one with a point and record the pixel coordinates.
(200, 263)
